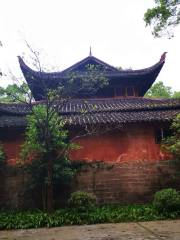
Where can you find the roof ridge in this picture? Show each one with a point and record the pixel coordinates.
(24, 65)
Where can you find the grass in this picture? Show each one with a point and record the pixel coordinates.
(67, 216)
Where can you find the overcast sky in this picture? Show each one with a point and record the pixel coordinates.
(64, 30)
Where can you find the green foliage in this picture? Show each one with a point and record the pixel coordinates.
(44, 132)
(95, 165)
(1, 92)
(172, 143)
(82, 201)
(86, 83)
(2, 156)
(44, 152)
(158, 90)
(164, 16)
(62, 172)
(176, 95)
(103, 214)
(167, 200)
(14, 93)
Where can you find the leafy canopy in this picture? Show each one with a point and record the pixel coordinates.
(164, 16)
(44, 131)
(159, 90)
(14, 93)
(85, 83)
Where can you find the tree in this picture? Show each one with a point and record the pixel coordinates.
(176, 95)
(14, 93)
(46, 148)
(159, 90)
(1, 92)
(46, 144)
(172, 143)
(164, 16)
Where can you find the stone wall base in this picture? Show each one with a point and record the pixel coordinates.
(118, 183)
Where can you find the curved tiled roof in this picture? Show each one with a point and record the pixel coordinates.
(142, 78)
(99, 111)
(109, 70)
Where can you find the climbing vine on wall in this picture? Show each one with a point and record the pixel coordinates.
(2, 155)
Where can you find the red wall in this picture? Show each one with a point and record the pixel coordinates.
(12, 139)
(134, 143)
(139, 171)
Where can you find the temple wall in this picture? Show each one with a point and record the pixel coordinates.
(120, 183)
(135, 168)
(128, 183)
(132, 144)
(12, 139)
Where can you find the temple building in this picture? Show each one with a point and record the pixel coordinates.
(137, 123)
(129, 126)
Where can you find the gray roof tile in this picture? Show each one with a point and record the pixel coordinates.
(99, 111)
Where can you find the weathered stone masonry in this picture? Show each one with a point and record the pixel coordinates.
(134, 182)
(124, 183)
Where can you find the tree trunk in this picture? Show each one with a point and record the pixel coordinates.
(50, 197)
(43, 192)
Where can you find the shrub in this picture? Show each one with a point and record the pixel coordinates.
(82, 201)
(167, 200)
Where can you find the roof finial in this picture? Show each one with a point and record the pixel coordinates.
(163, 57)
(90, 52)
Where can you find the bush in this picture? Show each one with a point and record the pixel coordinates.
(167, 200)
(82, 201)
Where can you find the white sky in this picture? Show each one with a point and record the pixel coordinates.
(65, 29)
